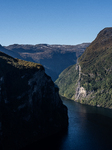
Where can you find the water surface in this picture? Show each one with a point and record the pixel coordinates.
(90, 128)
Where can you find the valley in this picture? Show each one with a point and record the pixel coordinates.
(54, 58)
(83, 74)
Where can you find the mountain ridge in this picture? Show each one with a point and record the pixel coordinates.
(94, 69)
(55, 58)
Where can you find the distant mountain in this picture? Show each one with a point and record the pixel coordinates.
(30, 106)
(55, 58)
(90, 80)
(10, 53)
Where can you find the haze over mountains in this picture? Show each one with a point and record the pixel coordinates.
(55, 58)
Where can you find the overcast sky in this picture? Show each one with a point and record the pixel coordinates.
(68, 22)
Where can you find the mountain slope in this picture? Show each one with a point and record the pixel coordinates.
(55, 58)
(67, 81)
(30, 106)
(94, 85)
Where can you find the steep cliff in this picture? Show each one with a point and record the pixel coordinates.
(30, 106)
(93, 83)
(80, 91)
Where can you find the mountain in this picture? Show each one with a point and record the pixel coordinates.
(10, 53)
(54, 58)
(90, 80)
(67, 81)
(30, 106)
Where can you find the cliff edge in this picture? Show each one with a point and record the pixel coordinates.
(30, 106)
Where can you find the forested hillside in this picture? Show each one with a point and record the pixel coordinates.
(94, 84)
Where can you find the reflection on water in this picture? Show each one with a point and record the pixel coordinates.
(90, 128)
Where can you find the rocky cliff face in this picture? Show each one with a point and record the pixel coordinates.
(30, 106)
(80, 91)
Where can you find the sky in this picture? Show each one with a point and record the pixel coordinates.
(67, 22)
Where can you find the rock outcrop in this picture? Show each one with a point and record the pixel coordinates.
(30, 106)
(80, 91)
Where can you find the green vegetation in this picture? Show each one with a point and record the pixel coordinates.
(96, 73)
(99, 79)
(7, 62)
(66, 82)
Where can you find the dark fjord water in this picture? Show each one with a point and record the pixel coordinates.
(90, 128)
